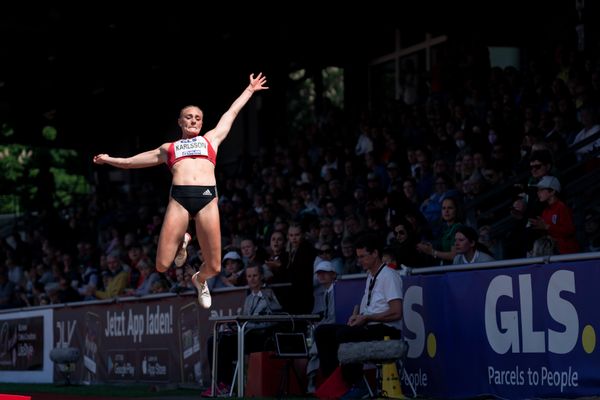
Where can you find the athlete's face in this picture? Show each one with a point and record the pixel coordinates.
(190, 121)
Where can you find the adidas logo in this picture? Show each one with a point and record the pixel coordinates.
(207, 192)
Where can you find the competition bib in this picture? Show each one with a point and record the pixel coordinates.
(195, 146)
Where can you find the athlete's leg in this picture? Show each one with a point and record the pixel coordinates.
(173, 228)
(208, 231)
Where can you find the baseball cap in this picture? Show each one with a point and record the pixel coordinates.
(549, 182)
(324, 266)
(232, 255)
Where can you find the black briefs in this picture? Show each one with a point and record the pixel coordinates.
(193, 198)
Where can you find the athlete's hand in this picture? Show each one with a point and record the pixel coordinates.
(101, 158)
(257, 83)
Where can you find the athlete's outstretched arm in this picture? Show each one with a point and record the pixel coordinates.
(142, 160)
(220, 132)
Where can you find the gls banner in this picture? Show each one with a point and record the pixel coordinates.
(515, 332)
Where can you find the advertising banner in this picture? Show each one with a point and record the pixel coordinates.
(22, 344)
(514, 333)
(25, 344)
(156, 340)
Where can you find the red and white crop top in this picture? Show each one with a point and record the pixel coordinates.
(196, 147)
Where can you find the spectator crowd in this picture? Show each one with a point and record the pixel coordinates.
(425, 178)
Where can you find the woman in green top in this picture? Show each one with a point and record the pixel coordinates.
(451, 217)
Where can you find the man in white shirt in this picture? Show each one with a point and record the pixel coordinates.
(380, 312)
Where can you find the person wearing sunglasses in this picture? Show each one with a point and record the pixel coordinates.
(540, 164)
(405, 245)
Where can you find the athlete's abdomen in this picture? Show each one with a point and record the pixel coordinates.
(193, 171)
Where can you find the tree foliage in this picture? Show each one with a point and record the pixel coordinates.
(33, 176)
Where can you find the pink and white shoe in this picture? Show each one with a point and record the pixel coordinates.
(181, 256)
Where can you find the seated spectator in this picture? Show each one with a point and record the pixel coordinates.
(557, 218)
(388, 257)
(14, 271)
(488, 238)
(278, 258)
(232, 273)
(183, 281)
(327, 253)
(89, 281)
(516, 241)
(541, 164)
(432, 206)
(66, 292)
(409, 188)
(324, 306)
(468, 248)
(493, 175)
(250, 251)
(350, 263)
(44, 274)
(451, 219)
(160, 286)
(258, 335)
(543, 246)
(135, 256)
(71, 271)
(324, 300)
(590, 128)
(38, 292)
(7, 291)
(148, 277)
(592, 231)
(117, 280)
(299, 298)
(405, 245)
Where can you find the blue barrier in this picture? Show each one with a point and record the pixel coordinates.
(527, 331)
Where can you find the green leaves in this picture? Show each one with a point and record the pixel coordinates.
(25, 168)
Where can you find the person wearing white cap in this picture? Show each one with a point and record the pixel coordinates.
(549, 182)
(232, 273)
(557, 218)
(324, 306)
(326, 276)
